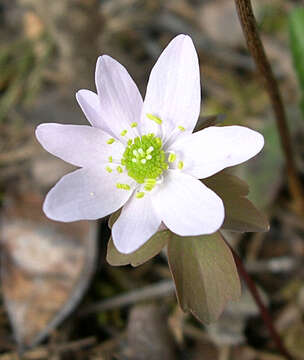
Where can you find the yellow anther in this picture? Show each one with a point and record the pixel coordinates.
(135, 153)
(110, 141)
(181, 128)
(150, 149)
(158, 140)
(110, 159)
(155, 119)
(140, 150)
(140, 195)
(180, 165)
(109, 170)
(119, 169)
(129, 142)
(171, 157)
(149, 184)
(124, 132)
(149, 157)
(143, 161)
(150, 181)
(123, 186)
(123, 161)
(134, 124)
(134, 160)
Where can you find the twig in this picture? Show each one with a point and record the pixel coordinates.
(43, 352)
(161, 289)
(256, 49)
(282, 264)
(263, 310)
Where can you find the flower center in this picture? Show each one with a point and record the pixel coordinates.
(144, 159)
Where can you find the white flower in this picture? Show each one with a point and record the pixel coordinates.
(143, 155)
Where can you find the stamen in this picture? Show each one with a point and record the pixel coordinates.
(154, 118)
(123, 161)
(109, 170)
(140, 195)
(110, 159)
(149, 184)
(110, 141)
(145, 159)
(134, 124)
(181, 128)
(129, 142)
(150, 181)
(180, 165)
(171, 157)
(123, 186)
(119, 169)
(124, 132)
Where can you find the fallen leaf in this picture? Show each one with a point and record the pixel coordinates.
(45, 268)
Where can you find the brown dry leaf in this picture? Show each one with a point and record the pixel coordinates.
(45, 268)
(148, 334)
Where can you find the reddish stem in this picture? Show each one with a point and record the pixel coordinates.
(263, 310)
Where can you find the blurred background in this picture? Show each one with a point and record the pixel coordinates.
(53, 274)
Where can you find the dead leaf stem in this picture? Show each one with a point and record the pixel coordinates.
(257, 51)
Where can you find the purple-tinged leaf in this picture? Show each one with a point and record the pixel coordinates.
(205, 274)
(240, 214)
(146, 252)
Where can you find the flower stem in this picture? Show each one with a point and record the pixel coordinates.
(263, 310)
(256, 49)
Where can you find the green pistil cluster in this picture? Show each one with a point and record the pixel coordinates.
(144, 158)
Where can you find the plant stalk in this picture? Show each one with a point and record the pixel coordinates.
(263, 310)
(257, 51)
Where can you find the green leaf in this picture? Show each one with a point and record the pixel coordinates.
(296, 31)
(205, 274)
(240, 214)
(150, 249)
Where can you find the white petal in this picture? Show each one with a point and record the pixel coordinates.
(137, 222)
(89, 103)
(120, 100)
(79, 145)
(187, 206)
(86, 194)
(210, 150)
(173, 92)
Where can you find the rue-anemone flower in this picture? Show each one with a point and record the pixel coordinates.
(142, 156)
